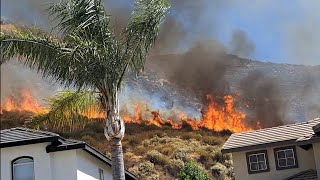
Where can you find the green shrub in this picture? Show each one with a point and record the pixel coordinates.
(192, 172)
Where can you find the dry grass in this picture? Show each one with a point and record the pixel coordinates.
(151, 152)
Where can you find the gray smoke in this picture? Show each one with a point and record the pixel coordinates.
(241, 45)
(263, 96)
(15, 78)
(198, 63)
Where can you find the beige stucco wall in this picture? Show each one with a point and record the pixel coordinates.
(305, 161)
(316, 151)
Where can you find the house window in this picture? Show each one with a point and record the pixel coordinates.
(286, 157)
(101, 176)
(22, 168)
(257, 162)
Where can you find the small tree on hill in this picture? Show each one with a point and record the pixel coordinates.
(192, 172)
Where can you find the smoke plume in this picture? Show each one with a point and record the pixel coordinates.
(241, 45)
(187, 56)
(15, 78)
(263, 97)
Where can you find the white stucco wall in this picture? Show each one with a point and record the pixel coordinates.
(61, 165)
(41, 159)
(316, 151)
(64, 165)
(88, 167)
(305, 161)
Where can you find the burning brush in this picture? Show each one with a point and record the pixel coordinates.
(215, 116)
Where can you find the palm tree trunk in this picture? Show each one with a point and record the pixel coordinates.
(114, 131)
(118, 172)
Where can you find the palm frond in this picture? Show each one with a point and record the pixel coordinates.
(69, 64)
(69, 109)
(85, 26)
(87, 18)
(143, 29)
(24, 44)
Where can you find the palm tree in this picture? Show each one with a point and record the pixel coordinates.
(86, 56)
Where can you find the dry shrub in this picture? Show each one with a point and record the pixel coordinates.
(181, 154)
(166, 150)
(156, 157)
(219, 171)
(10, 119)
(221, 158)
(146, 168)
(174, 167)
(213, 140)
(166, 147)
(191, 135)
(205, 158)
(131, 141)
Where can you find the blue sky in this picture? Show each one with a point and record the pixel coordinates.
(286, 31)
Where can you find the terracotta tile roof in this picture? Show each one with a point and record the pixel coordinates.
(275, 136)
(304, 175)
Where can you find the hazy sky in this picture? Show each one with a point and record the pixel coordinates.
(286, 31)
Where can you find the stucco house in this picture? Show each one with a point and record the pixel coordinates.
(289, 152)
(37, 155)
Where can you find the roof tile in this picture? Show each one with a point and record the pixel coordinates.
(275, 135)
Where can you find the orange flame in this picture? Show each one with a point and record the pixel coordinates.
(215, 117)
(24, 103)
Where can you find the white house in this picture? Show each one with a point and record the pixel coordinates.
(289, 152)
(37, 155)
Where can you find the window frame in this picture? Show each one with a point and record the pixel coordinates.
(248, 154)
(275, 150)
(16, 159)
(101, 174)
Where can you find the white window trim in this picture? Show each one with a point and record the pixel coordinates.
(14, 164)
(285, 157)
(265, 162)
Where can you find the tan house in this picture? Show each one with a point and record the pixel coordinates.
(289, 152)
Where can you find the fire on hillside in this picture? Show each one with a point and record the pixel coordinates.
(215, 116)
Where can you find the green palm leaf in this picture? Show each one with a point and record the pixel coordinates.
(68, 110)
(142, 30)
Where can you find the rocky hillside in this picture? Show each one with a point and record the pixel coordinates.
(280, 93)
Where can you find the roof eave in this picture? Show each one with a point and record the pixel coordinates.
(259, 146)
(309, 141)
(28, 142)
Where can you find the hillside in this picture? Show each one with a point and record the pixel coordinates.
(149, 151)
(291, 92)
